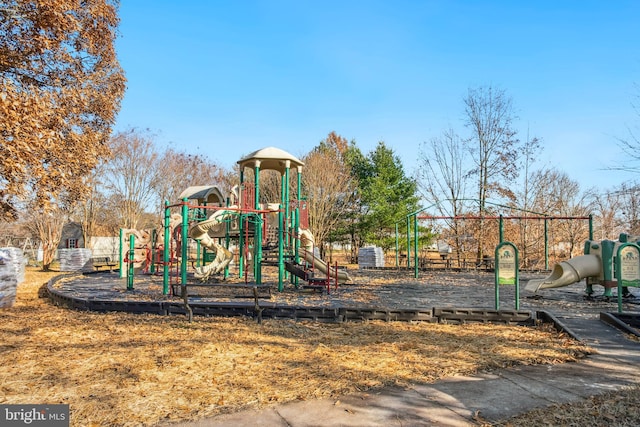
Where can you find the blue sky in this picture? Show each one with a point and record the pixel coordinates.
(224, 78)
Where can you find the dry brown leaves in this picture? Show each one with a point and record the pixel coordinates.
(60, 91)
(123, 369)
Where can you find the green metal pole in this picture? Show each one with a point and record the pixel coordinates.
(258, 249)
(185, 237)
(241, 226)
(397, 259)
(408, 242)
(132, 254)
(590, 226)
(415, 245)
(227, 238)
(165, 251)
(257, 239)
(281, 272)
(241, 244)
(517, 277)
(497, 279)
(299, 195)
(287, 207)
(501, 229)
(296, 236)
(296, 241)
(546, 244)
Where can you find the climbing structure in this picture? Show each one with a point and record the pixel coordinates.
(263, 233)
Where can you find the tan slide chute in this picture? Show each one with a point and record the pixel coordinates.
(307, 243)
(568, 272)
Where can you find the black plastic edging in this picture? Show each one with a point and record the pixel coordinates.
(274, 311)
(613, 320)
(547, 317)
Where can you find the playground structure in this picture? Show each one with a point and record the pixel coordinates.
(597, 266)
(239, 230)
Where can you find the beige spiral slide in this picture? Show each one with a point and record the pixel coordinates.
(200, 231)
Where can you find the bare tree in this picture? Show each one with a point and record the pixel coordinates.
(131, 176)
(630, 144)
(182, 170)
(46, 224)
(88, 213)
(328, 185)
(559, 195)
(630, 207)
(444, 179)
(607, 215)
(524, 198)
(493, 145)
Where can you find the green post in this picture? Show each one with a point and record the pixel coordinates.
(198, 253)
(299, 188)
(257, 238)
(185, 236)
(287, 207)
(408, 242)
(546, 244)
(296, 235)
(501, 229)
(227, 238)
(280, 252)
(415, 245)
(296, 241)
(397, 259)
(165, 251)
(241, 226)
(590, 226)
(132, 254)
(507, 270)
(241, 243)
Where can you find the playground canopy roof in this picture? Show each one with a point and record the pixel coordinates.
(203, 193)
(271, 158)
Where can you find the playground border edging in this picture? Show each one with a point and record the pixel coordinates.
(275, 311)
(623, 321)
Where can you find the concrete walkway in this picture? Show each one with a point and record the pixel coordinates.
(464, 401)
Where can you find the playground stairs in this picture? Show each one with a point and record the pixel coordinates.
(270, 255)
(303, 273)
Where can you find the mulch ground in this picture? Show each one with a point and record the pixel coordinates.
(126, 369)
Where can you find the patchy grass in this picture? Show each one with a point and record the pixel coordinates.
(125, 369)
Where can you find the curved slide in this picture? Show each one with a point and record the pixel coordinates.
(568, 272)
(307, 240)
(200, 231)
